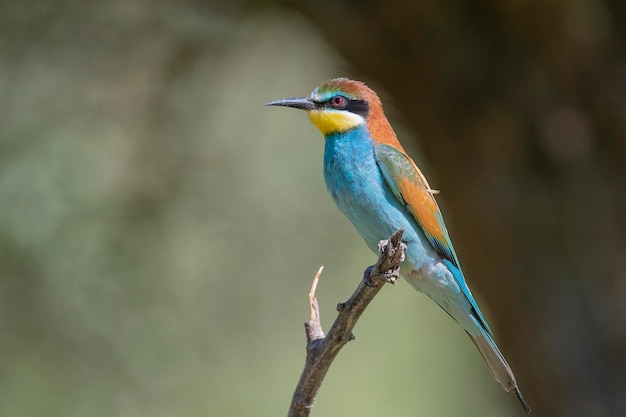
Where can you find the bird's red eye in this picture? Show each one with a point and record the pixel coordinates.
(338, 101)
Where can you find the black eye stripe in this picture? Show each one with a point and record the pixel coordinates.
(359, 107)
(355, 106)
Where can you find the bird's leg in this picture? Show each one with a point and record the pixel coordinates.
(391, 276)
(390, 255)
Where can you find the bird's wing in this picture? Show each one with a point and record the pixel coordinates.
(409, 185)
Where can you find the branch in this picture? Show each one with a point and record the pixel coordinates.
(321, 350)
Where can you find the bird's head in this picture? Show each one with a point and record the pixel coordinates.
(338, 105)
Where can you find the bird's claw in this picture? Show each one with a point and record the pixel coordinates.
(390, 256)
(402, 255)
(391, 276)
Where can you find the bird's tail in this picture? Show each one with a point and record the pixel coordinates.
(497, 365)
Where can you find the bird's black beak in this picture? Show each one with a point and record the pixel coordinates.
(303, 103)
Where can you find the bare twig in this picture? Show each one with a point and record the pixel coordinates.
(321, 350)
(313, 327)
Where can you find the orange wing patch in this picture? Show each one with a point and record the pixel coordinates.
(409, 185)
(423, 206)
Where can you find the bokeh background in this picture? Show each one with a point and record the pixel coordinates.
(160, 228)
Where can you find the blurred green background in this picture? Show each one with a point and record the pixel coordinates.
(160, 228)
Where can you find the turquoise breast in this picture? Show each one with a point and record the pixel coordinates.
(358, 188)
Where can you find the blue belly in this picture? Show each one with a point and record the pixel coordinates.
(357, 187)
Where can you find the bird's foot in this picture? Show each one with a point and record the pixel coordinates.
(391, 276)
(390, 255)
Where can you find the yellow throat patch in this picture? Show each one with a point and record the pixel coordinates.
(333, 121)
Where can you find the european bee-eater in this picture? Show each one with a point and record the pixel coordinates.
(379, 188)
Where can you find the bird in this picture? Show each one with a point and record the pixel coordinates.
(374, 182)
